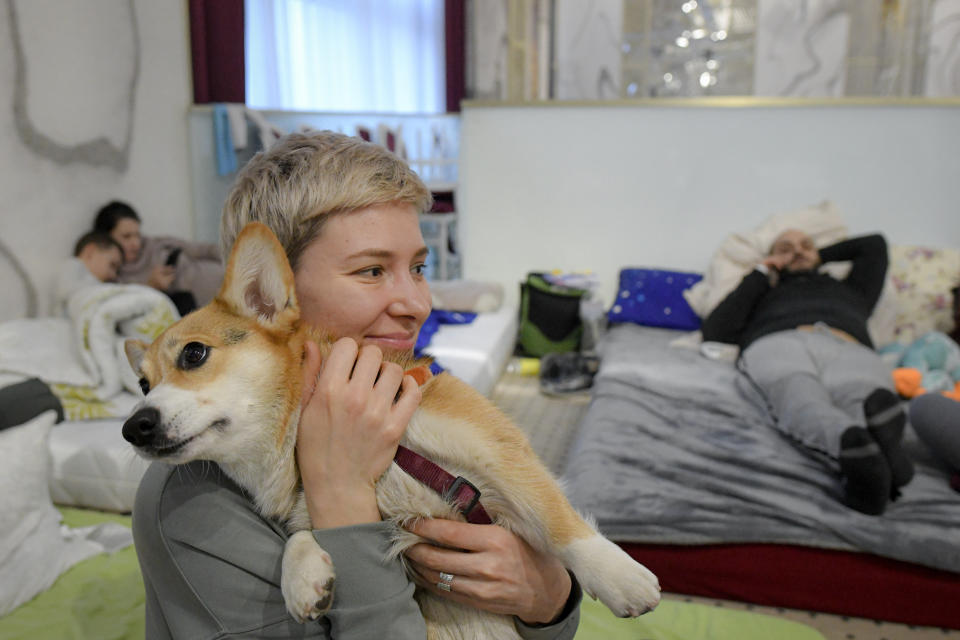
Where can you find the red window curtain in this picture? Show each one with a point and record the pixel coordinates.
(455, 50)
(216, 45)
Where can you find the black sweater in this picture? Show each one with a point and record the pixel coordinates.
(755, 309)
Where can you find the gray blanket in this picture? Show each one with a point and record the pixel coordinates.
(675, 448)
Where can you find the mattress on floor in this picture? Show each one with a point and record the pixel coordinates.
(478, 352)
(92, 466)
(103, 597)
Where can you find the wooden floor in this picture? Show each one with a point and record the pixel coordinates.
(551, 424)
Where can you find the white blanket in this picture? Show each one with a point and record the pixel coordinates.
(81, 356)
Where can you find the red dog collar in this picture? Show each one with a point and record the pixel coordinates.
(455, 490)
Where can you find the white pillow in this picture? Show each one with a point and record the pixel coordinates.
(92, 466)
(740, 252)
(30, 541)
(34, 548)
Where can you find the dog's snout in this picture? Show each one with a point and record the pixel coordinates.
(141, 428)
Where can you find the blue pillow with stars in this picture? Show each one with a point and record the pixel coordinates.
(654, 297)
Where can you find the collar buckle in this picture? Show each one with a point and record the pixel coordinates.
(453, 495)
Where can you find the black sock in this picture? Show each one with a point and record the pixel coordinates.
(864, 471)
(885, 422)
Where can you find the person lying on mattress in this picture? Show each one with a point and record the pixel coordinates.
(804, 344)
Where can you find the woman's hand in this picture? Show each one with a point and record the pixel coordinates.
(162, 276)
(493, 570)
(349, 430)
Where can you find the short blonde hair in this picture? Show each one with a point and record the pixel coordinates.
(303, 179)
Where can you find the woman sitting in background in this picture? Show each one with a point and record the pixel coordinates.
(188, 272)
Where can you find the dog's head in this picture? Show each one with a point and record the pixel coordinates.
(223, 383)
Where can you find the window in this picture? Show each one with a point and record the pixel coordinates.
(345, 55)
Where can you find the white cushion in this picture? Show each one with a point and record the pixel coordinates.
(30, 542)
(34, 547)
(92, 466)
(477, 352)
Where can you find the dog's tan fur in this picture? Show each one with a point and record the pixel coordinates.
(256, 345)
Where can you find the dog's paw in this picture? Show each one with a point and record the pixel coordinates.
(307, 580)
(606, 572)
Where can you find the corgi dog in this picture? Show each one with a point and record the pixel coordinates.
(224, 384)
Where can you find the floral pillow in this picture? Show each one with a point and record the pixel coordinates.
(923, 278)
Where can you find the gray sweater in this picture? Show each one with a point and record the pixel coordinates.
(199, 268)
(211, 568)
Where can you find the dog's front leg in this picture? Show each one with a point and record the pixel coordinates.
(307, 577)
(607, 572)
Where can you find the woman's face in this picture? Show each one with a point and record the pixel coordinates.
(126, 233)
(363, 277)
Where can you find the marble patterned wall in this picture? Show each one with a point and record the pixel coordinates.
(943, 57)
(487, 49)
(608, 49)
(588, 38)
(801, 48)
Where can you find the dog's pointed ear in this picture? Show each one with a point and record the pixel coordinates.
(258, 282)
(135, 350)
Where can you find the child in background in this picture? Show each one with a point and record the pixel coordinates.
(96, 258)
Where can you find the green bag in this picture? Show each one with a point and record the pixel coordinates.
(549, 317)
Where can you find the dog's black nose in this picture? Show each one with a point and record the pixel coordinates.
(141, 428)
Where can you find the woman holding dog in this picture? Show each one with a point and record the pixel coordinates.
(347, 214)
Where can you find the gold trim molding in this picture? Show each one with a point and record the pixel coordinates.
(734, 102)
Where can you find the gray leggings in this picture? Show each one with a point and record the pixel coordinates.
(936, 419)
(815, 383)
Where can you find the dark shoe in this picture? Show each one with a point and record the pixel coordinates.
(886, 421)
(563, 373)
(864, 472)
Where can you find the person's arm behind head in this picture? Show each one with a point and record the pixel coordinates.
(869, 257)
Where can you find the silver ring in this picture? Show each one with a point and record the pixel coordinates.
(446, 577)
(443, 586)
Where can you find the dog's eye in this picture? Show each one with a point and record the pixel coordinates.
(193, 355)
(144, 386)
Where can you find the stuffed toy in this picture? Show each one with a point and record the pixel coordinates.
(930, 364)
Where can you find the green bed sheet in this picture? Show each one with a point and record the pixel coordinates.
(676, 620)
(102, 598)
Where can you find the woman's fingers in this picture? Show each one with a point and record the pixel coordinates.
(457, 547)
(367, 369)
(408, 401)
(339, 363)
(456, 534)
(311, 369)
(462, 588)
